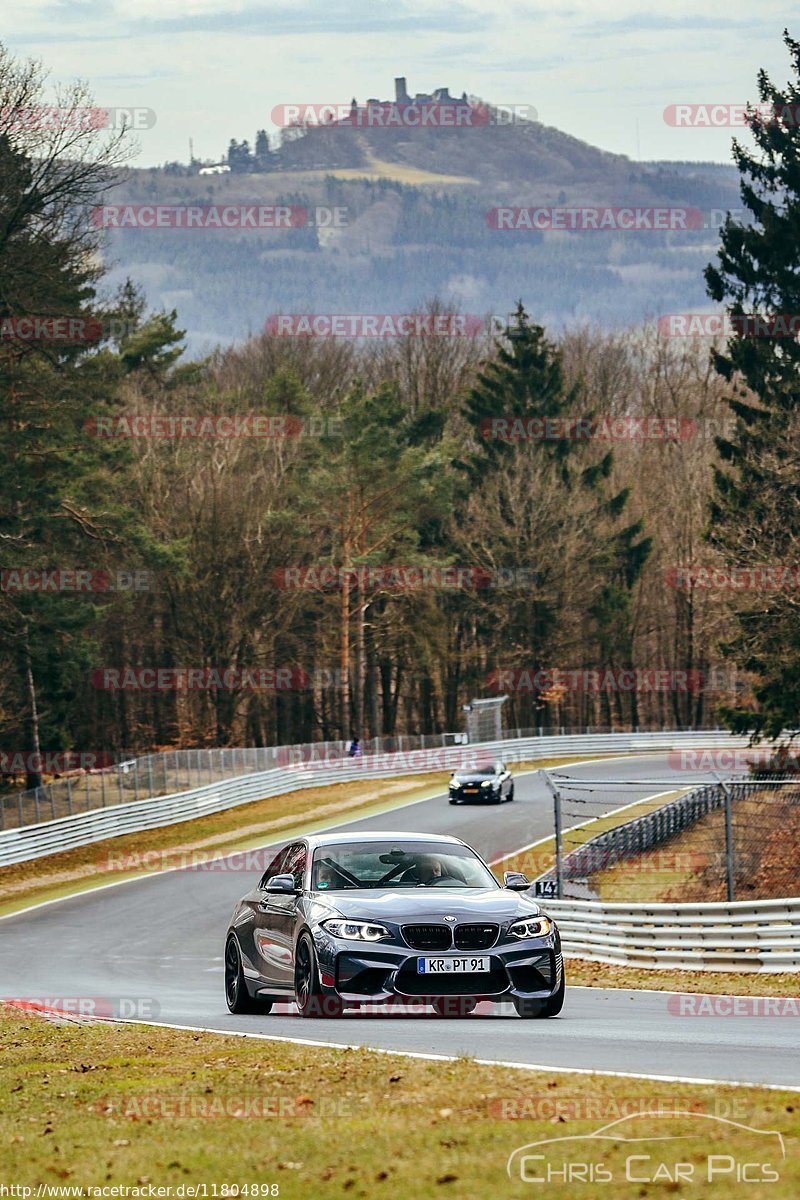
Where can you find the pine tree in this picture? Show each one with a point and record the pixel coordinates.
(526, 380)
(757, 485)
(262, 151)
(60, 495)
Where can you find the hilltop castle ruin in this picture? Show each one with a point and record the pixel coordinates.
(437, 96)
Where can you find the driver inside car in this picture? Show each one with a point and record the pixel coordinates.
(428, 869)
(325, 876)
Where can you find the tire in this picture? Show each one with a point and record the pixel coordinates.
(556, 1002)
(527, 1009)
(237, 996)
(309, 997)
(511, 794)
(454, 1006)
(541, 1009)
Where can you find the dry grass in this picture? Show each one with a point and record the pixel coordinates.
(88, 1106)
(585, 973)
(379, 169)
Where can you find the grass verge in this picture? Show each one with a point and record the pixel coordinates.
(141, 1107)
(236, 829)
(585, 973)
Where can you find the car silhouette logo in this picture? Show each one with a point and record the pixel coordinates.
(632, 1131)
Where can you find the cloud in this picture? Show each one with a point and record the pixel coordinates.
(93, 20)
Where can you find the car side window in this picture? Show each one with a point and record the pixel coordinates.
(275, 867)
(295, 864)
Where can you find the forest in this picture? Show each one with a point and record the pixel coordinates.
(307, 538)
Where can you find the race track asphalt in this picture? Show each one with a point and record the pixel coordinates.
(152, 948)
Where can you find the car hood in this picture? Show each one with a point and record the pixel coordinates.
(473, 776)
(433, 904)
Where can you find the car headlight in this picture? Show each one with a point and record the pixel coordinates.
(487, 783)
(454, 784)
(364, 931)
(531, 927)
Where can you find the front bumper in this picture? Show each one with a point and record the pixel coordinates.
(382, 973)
(468, 795)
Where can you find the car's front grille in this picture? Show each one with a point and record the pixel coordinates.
(475, 937)
(427, 937)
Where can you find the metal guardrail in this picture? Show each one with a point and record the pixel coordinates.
(757, 936)
(170, 772)
(80, 829)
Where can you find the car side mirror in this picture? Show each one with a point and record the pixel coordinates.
(515, 881)
(282, 885)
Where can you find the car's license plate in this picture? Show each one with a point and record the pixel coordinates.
(470, 791)
(451, 966)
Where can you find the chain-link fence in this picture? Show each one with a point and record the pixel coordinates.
(731, 840)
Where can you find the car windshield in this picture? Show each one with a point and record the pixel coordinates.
(483, 769)
(391, 865)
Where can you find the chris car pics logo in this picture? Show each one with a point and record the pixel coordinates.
(672, 1149)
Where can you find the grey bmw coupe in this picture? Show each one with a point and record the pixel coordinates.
(344, 920)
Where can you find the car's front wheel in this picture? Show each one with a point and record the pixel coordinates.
(309, 997)
(532, 1009)
(237, 996)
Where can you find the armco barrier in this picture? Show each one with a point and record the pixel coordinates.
(170, 772)
(80, 829)
(757, 935)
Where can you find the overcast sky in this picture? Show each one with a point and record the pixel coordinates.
(602, 72)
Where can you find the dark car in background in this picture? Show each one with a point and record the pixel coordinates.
(346, 920)
(488, 783)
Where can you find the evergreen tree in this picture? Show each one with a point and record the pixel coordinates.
(526, 381)
(60, 505)
(263, 156)
(753, 510)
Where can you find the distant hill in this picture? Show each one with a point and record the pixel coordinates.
(416, 228)
(515, 154)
